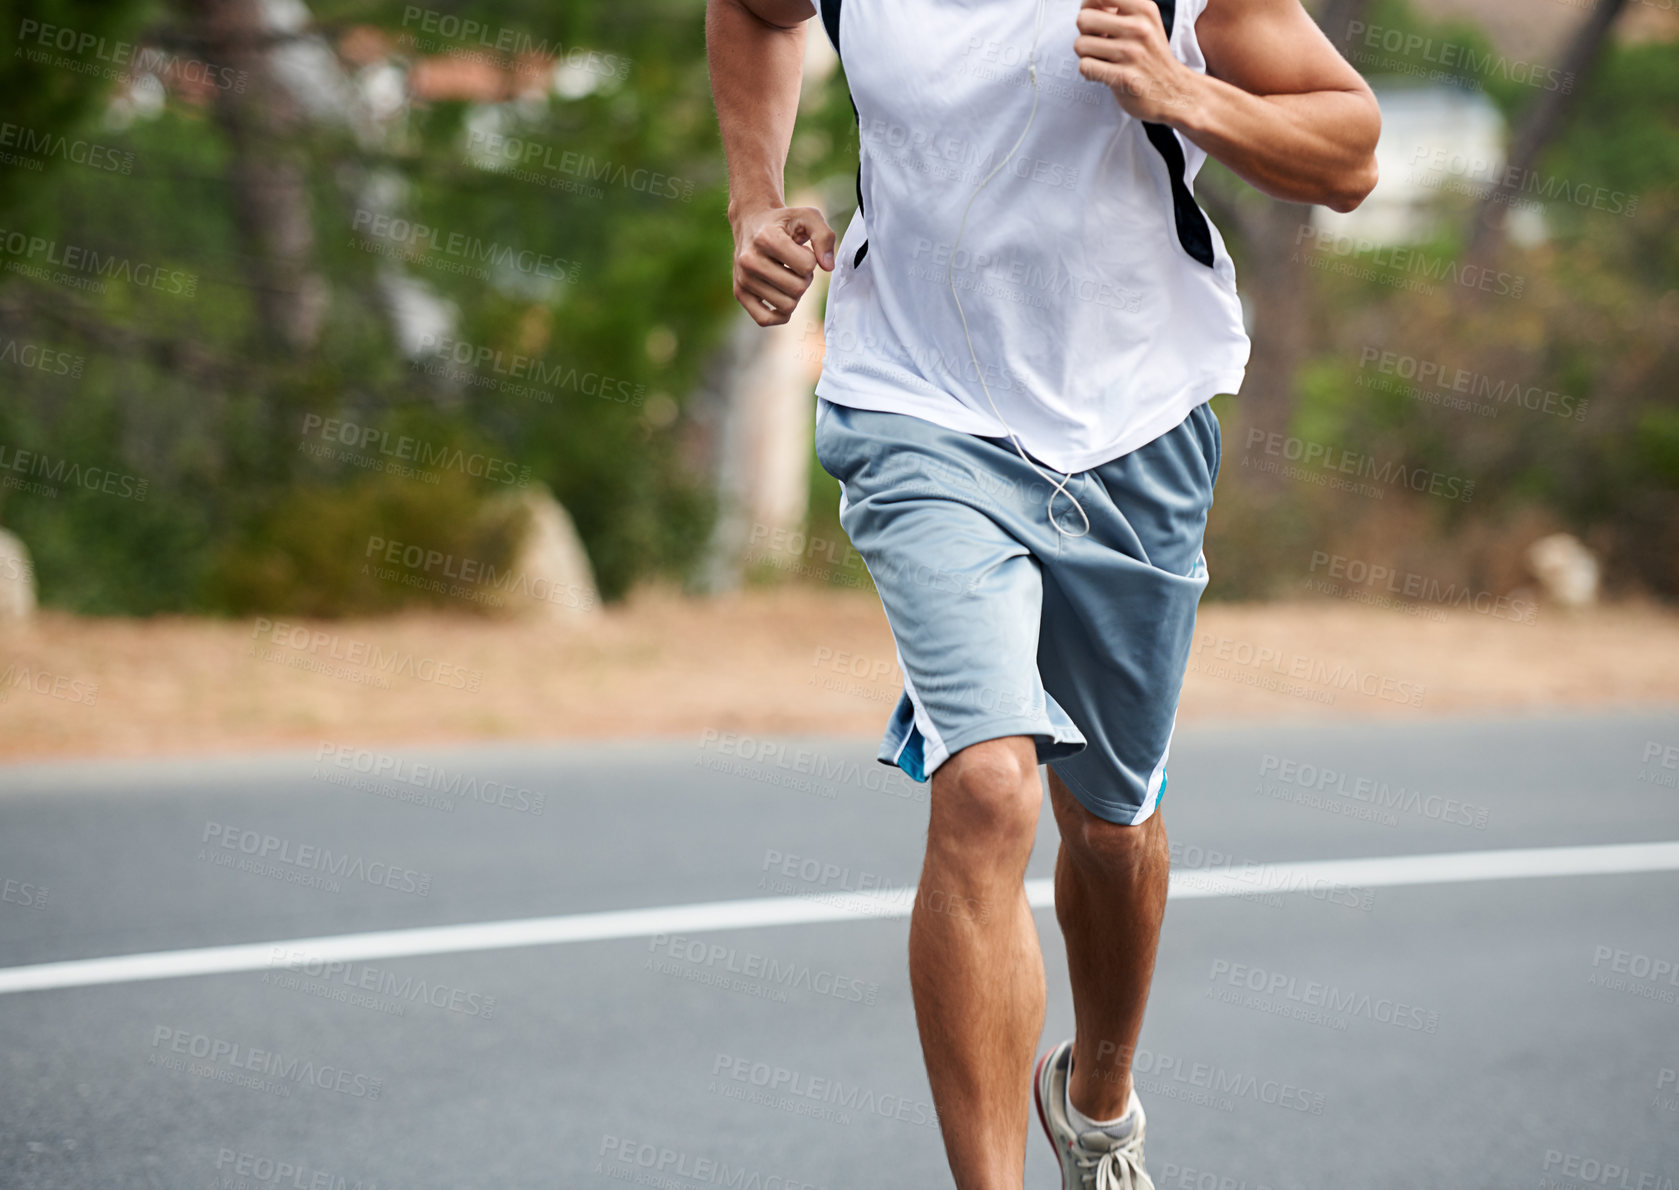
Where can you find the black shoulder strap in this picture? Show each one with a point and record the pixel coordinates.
(831, 22)
(1193, 232)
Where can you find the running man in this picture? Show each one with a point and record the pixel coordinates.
(1028, 315)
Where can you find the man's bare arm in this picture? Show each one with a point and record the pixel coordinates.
(1278, 104)
(756, 53)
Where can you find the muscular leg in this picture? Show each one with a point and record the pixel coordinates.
(1110, 895)
(974, 963)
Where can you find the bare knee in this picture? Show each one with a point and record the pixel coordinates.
(1097, 844)
(987, 797)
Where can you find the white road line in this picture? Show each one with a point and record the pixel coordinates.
(1336, 877)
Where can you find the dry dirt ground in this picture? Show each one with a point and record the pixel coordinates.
(777, 660)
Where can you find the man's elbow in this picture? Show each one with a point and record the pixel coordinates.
(1353, 183)
(1352, 186)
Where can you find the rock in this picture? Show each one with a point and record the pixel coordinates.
(17, 580)
(550, 576)
(1566, 569)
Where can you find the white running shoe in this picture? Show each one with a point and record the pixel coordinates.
(1093, 1160)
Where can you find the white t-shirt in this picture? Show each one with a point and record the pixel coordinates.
(1101, 310)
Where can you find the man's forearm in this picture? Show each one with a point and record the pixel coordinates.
(1313, 147)
(755, 72)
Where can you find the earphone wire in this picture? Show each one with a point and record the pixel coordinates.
(1060, 488)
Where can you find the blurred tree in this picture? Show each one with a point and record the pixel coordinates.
(1541, 123)
(46, 100)
(496, 228)
(507, 215)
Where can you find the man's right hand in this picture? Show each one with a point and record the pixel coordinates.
(777, 253)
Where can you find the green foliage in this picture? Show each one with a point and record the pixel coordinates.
(38, 95)
(350, 549)
(581, 381)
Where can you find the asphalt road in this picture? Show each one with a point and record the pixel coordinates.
(1492, 1033)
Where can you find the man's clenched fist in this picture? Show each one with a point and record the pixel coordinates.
(777, 253)
(1122, 43)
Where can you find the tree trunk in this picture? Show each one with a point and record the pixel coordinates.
(1278, 286)
(1543, 121)
(267, 178)
(1277, 283)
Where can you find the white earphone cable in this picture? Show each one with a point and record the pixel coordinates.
(1060, 488)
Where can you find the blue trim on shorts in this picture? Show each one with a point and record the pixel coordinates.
(911, 758)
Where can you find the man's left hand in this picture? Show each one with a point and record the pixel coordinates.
(1122, 43)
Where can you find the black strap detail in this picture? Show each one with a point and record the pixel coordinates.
(1193, 232)
(831, 22)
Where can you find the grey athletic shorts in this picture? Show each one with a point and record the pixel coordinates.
(1004, 626)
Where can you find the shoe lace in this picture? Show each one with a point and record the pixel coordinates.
(1118, 1167)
